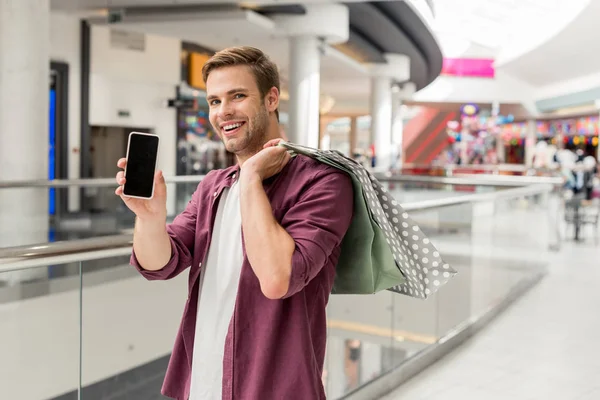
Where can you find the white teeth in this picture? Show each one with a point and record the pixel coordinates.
(232, 126)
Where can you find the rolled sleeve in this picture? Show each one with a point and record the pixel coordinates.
(182, 233)
(170, 270)
(318, 223)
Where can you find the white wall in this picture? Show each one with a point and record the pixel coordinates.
(139, 82)
(502, 88)
(568, 86)
(65, 47)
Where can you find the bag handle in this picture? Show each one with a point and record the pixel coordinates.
(307, 151)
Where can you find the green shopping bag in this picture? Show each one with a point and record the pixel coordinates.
(366, 264)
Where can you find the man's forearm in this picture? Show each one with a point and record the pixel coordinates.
(268, 246)
(151, 244)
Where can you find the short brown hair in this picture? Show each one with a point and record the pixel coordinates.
(264, 70)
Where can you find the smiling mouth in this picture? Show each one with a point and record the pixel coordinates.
(231, 129)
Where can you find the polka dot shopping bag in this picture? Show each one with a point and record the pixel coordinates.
(415, 256)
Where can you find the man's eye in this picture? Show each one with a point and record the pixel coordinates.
(239, 96)
(214, 102)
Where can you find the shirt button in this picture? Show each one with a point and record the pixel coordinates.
(233, 177)
(215, 194)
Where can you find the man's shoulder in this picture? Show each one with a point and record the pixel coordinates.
(307, 169)
(215, 176)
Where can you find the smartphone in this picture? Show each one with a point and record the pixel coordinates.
(142, 156)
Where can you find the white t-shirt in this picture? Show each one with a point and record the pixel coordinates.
(219, 281)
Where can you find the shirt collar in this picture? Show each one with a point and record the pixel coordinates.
(233, 170)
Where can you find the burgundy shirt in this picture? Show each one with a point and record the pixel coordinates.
(274, 349)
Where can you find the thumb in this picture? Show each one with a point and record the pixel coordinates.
(159, 183)
(272, 143)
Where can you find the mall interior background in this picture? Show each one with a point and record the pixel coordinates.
(477, 128)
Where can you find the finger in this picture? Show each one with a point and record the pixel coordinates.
(159, 177)
(122, 163)
(119, 191)
(120, 178)
(160, 186)
(273, 142)
(287, 158)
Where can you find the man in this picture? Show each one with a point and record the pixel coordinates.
(261, 239)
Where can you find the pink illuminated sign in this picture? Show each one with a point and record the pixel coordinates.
(469, 67)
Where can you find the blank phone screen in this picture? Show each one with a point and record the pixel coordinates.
(141, 162)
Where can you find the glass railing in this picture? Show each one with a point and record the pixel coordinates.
(76, 321)
(88, 208)
(499, 243)
(474, 169)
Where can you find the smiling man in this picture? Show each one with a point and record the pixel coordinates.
(261, 241)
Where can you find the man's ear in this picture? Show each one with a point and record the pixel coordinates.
(272, 99)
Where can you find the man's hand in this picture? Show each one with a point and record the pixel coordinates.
(146, 209)
(267, 162)
(268, 246)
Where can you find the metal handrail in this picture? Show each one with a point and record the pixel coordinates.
(474, 180)
(464, 179)
(91, 182)
(482, 167)
(39, 255)
(478, 197)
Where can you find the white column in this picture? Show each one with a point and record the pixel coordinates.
(397, 131)
(353, 135)
(396, 68)
(381, 120)
(530, 142)
(500, 149)
(597, 147)
(328, 23)
(304, 90)
(24, 80)
(404, 93)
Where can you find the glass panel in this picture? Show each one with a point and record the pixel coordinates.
(129, 325)
(129, 329)
(24, 216)
(359, 343)
(420, 323)
(408, 192)
(98, 212)
(39, 334)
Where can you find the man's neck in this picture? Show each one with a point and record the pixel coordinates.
(273, 133)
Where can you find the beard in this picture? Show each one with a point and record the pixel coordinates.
(252, 141)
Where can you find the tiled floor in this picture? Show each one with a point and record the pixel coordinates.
(545, 347)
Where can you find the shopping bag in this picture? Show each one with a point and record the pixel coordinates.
(366, 264)
(413, 253)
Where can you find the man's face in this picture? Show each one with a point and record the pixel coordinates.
(237, 110)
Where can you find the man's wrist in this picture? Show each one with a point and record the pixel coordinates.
(249, 176)
(152, 224)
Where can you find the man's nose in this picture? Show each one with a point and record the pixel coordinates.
(226, 110)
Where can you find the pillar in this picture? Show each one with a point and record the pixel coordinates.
(381, 121)
(24, 105)
(597, 103)
(320, 24)
(397, 127)
(383, 75)
(530, 142)
(404, 93)
(353, 135)
(304, 90)
(500, 150)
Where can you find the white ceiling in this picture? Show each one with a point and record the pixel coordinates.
(92, 4)
(341, 78)
(571, 53)
(506, 30)
(500, 24)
